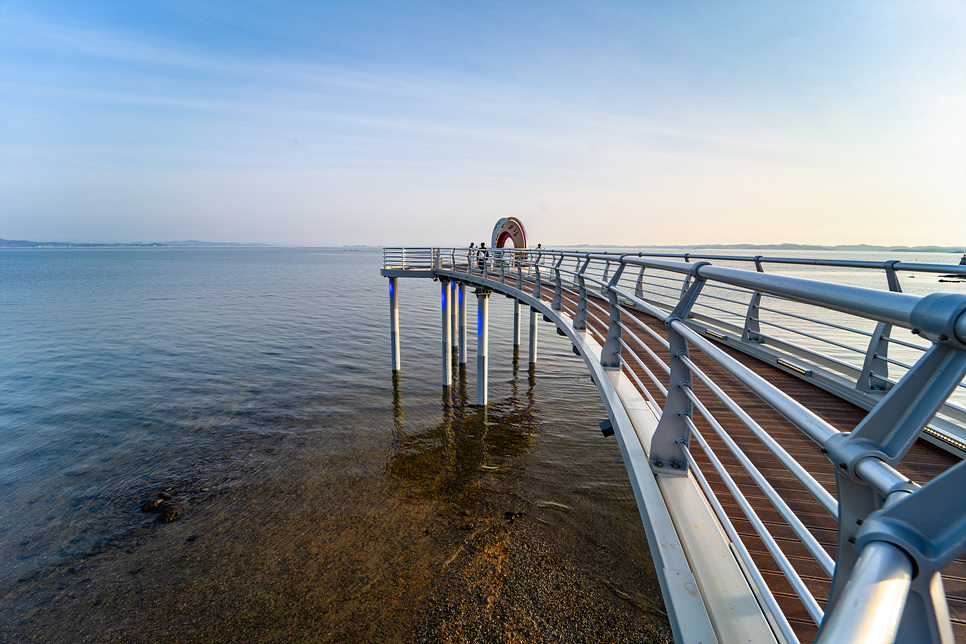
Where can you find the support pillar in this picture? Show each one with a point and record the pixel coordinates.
(453, 314)
(516, 323)
(394, 323)
(461, 301)
(533, 335)
(447, 344)
(482, 328)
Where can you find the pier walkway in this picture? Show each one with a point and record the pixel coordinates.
(796, 453)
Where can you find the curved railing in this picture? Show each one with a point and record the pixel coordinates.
(893, 537)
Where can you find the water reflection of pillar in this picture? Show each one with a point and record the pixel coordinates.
(397, 411)
(531, 384)
(447, 424)
(447, 347)
(533, 336)
(459, 400)
(515, 382)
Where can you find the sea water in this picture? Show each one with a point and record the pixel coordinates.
(323, 499)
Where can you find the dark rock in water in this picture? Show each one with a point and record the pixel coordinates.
(152, 505)
(169, 511)
(164, 495)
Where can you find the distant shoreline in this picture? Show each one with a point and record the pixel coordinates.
(852, 247)
(191, 243)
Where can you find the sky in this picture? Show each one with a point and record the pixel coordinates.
(423, 123)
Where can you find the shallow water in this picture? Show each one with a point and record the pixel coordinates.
(323, 499)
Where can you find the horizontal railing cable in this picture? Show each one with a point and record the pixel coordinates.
(807, 538)
(818, 492)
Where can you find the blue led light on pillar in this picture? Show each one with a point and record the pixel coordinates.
(447, 329)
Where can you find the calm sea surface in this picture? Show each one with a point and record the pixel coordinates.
(322, 499)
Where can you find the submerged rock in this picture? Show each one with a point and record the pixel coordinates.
(169, 511)
(163, 505)
(152, 505)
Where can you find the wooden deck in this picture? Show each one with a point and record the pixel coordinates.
(922, 463)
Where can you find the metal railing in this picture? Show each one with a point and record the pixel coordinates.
(893, 536)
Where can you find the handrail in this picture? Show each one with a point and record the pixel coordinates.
(871, 528)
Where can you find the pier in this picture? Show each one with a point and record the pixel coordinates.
(795, 446)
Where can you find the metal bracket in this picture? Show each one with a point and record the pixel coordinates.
(557, 304)
(580, 315)
(665, 449)
(875, 370)
(894, 424)
(639, 286)
(751, 330)
(610, 353)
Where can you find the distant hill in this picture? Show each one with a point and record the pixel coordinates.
(23, 243)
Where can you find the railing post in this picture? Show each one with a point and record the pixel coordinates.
(875, 371)
(501, 256)
(885, 435)
(557, 303)
(686, 284)
(665, 451)
(604, 277)
(538, 283)
(752, 328)
(580, 315)
(610, 353)
(639, 286)
(520, 260)
(917, 533)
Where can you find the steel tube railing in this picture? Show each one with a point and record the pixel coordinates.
(650, 374)
(644, 390)
(871, 605)
(805, 318)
